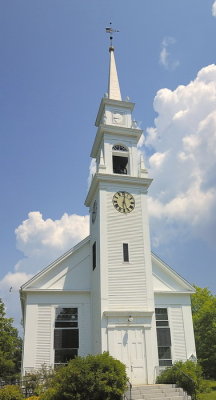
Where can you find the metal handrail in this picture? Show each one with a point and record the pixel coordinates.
(130, 390)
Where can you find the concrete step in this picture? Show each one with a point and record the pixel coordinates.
(164, 396)
(162, 393)
(182, 397)
(156, 392)
(169, 398)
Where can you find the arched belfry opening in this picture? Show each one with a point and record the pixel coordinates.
(120, 157)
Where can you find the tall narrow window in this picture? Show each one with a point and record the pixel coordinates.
(125, 252)
(66, 335)
(163, 337)
(94, 256)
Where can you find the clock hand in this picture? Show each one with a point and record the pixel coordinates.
(123, 202)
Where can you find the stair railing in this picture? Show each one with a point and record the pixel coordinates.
(129, 386)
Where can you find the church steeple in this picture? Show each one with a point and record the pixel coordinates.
(114, 92)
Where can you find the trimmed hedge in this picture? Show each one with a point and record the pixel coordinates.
(94, 377)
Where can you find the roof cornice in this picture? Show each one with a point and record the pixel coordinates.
(115, 178)
(113, 103)
(113, 130)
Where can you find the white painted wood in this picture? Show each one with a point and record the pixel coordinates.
(44, 336)
(113, 83)
(177, 333)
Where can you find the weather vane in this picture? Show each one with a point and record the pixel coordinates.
(110, 30)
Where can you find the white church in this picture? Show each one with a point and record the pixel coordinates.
(110, 292)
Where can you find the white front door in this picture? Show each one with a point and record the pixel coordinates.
(128, 345)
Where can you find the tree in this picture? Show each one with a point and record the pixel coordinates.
(10, 347)
(94, 377)
(204, 319)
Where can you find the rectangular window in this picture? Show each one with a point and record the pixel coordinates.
(125, 252)
(66, 334)
(94, 256)
(163, 337)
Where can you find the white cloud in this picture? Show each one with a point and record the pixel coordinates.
(166, 58)
(214, 9)
(13, 280)
(41, 241)
(157, 159)
(184, 159)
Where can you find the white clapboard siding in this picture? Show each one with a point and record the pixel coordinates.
(44, 336)
(177, 333)
(126, 281)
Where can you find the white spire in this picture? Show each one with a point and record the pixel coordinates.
(114, 92)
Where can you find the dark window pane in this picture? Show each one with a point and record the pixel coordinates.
(163, 337)
(165, 363)
(63, 356)
(66, 314)
(164, 353)
(162, 323)
(94, 256)
(120, 165)
(63, 324)
(161, 314)
(125, 252)
(66, 338)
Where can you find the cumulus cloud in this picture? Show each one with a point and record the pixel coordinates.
(41, 241)
(166, 58)
(183, 163)
(214, 9)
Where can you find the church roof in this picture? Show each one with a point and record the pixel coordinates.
(53, 277)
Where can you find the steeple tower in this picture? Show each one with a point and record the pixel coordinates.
(119, 229)
(114, 92)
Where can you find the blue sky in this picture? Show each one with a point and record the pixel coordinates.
(53, 73)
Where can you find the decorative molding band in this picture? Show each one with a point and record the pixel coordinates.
(116, 178)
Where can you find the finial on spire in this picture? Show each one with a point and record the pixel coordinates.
(110, 30)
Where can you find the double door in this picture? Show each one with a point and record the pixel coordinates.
(127, 344)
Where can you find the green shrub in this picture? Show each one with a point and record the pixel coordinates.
(11, 392)
(94, 377)
(33, 398)
(187, 375)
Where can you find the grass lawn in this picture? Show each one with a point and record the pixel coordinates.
(211, 395)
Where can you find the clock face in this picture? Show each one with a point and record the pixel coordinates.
(117, 118)
(94, 211)
(123, 202)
